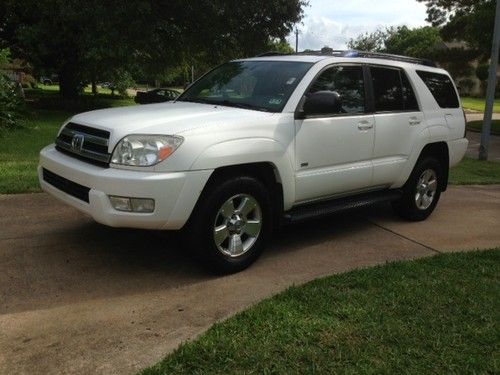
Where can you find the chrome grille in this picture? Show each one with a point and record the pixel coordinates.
(84, 142)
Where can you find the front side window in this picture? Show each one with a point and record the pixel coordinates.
(259, 85)
(348, 82)
(441, 87)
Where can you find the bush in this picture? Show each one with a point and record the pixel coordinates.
(466, 85)
(123, 80)
(11, 100)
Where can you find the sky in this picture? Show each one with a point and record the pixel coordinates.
(334, 22)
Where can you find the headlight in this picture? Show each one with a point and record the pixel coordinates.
(145, 150)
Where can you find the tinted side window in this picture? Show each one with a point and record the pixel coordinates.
(387, 89)
(348, 82)
(441, 87)
(409, 99)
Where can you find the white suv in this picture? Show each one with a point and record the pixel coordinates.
(256, 142)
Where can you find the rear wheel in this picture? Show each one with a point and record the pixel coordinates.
(231, 224)
(422, 190)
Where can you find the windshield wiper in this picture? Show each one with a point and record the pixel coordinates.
(229, 103)
(198, 100)
(226, 103)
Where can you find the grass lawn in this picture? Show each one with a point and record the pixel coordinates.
(20, 147)
(478, 125)
(477, 104)
(475, 172)
(437, 315)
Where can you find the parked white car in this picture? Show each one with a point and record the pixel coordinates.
(261, 141)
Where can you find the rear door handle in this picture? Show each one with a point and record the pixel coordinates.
(414, 121)
(365, 125)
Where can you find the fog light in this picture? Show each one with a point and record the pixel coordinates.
(120, 203)
(142, 204)
(132, 204)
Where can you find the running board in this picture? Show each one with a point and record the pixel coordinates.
(324, 208)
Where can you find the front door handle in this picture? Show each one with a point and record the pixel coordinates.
(365, 125)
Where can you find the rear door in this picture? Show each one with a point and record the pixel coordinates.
(398, 121)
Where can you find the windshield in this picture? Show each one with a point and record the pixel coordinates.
(260, 85)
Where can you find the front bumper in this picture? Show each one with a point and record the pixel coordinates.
(175, 193)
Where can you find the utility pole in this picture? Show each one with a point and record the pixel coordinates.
(296, 40)
(490, 91)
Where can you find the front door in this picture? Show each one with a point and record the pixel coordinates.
(334, 151)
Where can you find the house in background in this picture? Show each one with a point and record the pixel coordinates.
(19, 71)
(458, 51)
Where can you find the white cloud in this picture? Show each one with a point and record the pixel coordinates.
(333, 22)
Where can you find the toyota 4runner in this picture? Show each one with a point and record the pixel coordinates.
(259, 141)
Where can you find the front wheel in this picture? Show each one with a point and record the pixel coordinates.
(231, 224)
(422, 190)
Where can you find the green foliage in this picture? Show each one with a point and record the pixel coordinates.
(86, 41)
(457, 60)
(437, 315)
(468, 20)
(418, 42)
(279, 45)
(11, 101)
(122, 81)
(372, 42)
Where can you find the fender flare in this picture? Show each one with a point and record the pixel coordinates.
(252, 150)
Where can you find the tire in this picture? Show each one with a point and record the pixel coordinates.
(422, 190)
(232, 207)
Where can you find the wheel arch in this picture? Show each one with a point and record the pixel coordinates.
(266, 172)
(440, 151)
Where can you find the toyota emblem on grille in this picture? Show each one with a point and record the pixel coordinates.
(77, 142)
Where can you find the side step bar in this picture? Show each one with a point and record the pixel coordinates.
(324, 208)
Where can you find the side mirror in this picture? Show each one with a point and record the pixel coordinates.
(320, 103)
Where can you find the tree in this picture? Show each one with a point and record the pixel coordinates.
(371, 42)
(418, 42)
(84, 41)
(281, 46)
(468, 20)
(11, 102)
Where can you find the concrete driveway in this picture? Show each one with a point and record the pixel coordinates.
(77, 297)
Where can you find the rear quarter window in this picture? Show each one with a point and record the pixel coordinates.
(441, 88)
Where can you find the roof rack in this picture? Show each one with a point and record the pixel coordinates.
(274, 53)
(355, 53)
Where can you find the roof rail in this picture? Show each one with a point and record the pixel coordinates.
(355, 53)
(273, 53)
(388, 56)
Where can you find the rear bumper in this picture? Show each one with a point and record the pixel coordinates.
(175, 194)
(457, 150)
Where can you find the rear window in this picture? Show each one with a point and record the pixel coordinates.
(441, 87)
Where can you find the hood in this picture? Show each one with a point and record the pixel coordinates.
(163, 118)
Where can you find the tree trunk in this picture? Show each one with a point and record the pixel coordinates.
(94, 87)
(69, 83)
